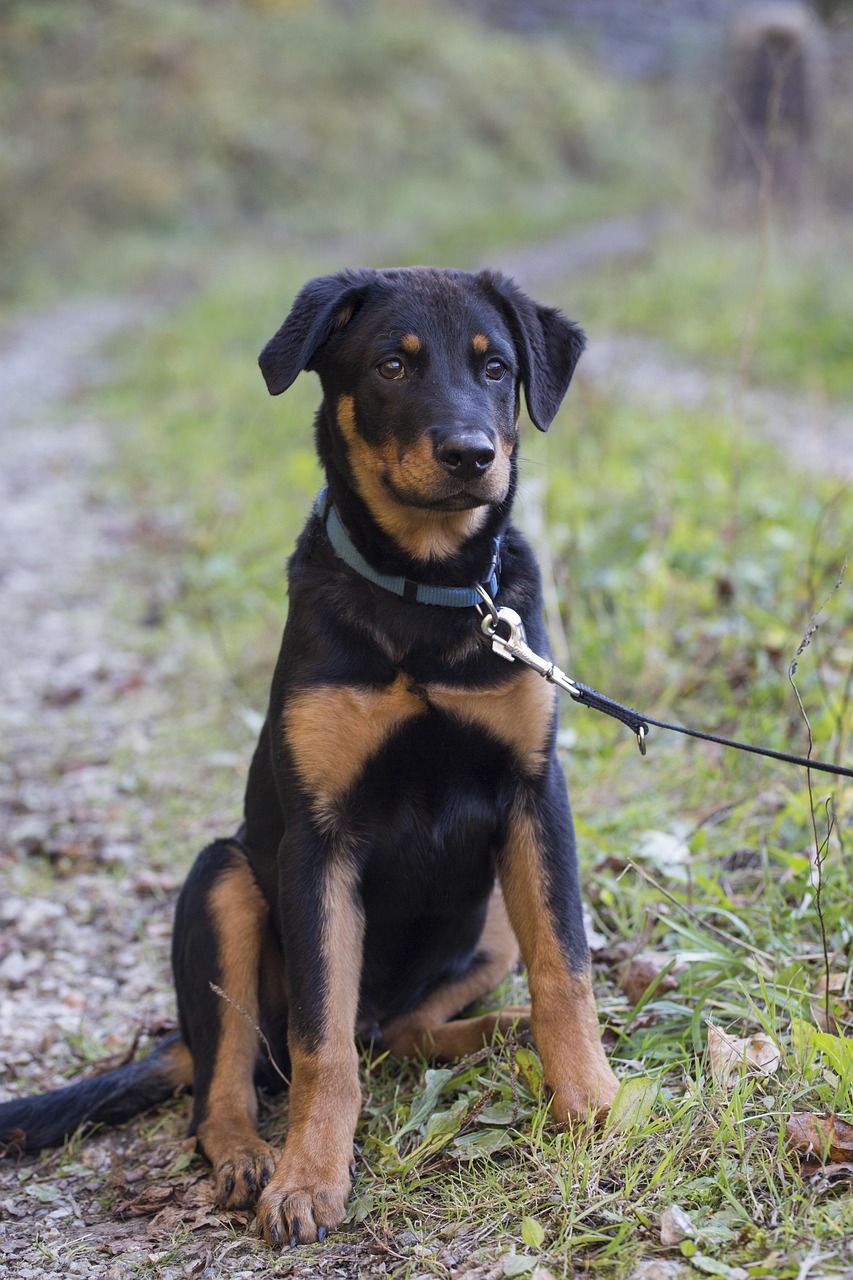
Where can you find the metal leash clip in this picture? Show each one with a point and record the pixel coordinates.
(505, 629)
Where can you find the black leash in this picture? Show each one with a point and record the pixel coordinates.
(505, 629)
(640, 725)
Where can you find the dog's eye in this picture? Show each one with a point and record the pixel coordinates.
(495, 369)
(392, 369)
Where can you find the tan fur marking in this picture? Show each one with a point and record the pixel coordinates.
(564, 1017)
(333, 730)
(180, 1066)
(345, 315)
(425, 534)
(411, 343)
(480, 344)
(518, 713)
(239, 913)
(426, 1029)
(343, 937)
(311, 1183)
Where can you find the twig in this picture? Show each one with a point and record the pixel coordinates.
(697, 920)
(264, 1041)
(821, 846)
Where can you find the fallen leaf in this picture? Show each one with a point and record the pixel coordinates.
(840, 1000)
(731, 1056)
(633, 1104)
(149, 1201)
(656, 1269)
(518, 1264)
(641, 973)
(668, 852)
(826, 1137)
(829, 1172)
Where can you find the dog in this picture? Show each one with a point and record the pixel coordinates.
(407, 830)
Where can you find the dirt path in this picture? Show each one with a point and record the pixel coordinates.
(817, 434)
(85, 926)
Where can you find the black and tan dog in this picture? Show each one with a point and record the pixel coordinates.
(407, 826)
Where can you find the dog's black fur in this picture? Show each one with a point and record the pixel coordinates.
(406, 819)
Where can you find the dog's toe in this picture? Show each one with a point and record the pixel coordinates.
(301, 1215)
(241, 1178)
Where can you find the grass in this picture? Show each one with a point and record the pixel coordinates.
(699, 288)
(689, 561)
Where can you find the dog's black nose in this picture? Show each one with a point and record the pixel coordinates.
(466, 454)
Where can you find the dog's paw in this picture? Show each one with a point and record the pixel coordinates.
(241, 1178)
(292, 1214)
(590, 1097)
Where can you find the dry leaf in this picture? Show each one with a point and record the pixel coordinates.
(638, 975)
(149, 1201)
(829, 1172)
(840, 999)
(825, 1137)
(731, 1056)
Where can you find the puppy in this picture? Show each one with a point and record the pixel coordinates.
(407, 828)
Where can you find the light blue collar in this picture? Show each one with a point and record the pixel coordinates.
(411, 592)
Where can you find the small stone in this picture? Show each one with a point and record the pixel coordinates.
(675, 1226)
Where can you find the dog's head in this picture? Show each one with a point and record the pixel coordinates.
(421, 372)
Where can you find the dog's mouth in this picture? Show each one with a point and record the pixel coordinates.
(446, 496)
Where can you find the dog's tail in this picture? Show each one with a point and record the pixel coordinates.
(47, 1119)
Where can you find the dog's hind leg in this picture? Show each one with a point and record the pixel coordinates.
(433, 1029)
(220, 932)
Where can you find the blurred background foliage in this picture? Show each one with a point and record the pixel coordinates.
(392, 125)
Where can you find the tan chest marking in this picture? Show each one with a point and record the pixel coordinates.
(518, 713)
(333, 730)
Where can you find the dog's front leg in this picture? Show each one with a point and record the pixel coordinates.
(323, 923)
(539, 877)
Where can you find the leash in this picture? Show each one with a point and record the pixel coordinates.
(505, 629)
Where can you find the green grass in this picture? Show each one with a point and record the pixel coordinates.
(703, 287)
(689, 561)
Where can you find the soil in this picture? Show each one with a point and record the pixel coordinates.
(86, 772)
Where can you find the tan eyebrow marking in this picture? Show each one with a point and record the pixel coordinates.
(481, 343)
(411, 343)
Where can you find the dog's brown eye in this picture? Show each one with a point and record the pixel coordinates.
(495, 369)
(392, 369)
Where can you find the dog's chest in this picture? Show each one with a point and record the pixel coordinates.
(335, 734)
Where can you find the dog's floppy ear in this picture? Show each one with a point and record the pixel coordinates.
(322, 307)
(547, 343)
